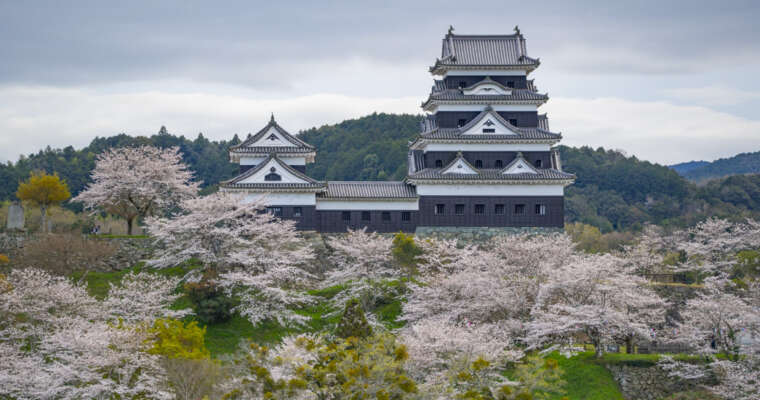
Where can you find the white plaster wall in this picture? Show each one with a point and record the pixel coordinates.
(489, 190)
(487, 89)
(283, 199)
(283, 157)
(280, 142)
(322, 204)
(498, 127)
(486, 147)
(491, 72)
(258, 177)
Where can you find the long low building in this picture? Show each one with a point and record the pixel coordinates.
(484, 156)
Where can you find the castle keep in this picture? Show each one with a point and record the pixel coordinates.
(484, 156)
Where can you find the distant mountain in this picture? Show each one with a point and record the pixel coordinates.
(612, 192)
(685, 167)
(700, 171)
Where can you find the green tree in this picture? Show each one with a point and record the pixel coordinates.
(44, 191)
(353, 322)
(405, 251)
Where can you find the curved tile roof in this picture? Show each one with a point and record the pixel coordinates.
(369, 190)
(486, 50)
(490, 174)
(247, 145)
(309, 183)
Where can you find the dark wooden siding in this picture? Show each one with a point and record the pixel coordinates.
(332, 221)
(307, 220)
(453, 81)
(450, 119)
(488, 157)
(554, 211)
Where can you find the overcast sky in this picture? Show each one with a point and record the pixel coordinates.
(667, 81)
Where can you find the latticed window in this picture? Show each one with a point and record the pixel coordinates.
(459, 209)
(346, 215)
(498, 209)
(439, 209)
(498, 164)
(480, 208)
(519, 208)
(406, 216)
(365, 215)
(386, 216)
(297, 212)
(272, 175)
(541, 209)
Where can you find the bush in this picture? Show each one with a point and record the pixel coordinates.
(210, 303)
(64, 253)
(353, 323)
(405, 251)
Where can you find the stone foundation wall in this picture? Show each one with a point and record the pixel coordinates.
(480, 234)
(650, 382)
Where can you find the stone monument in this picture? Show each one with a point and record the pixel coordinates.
(15, 217)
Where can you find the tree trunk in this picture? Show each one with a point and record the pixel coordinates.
(130, 224)
(629, 345)
(598, 351)
(43, 219)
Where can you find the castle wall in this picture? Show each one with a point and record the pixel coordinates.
(488, 158)
(450, 119)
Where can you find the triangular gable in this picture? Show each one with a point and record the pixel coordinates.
(459, 166)
(487, 87)
(273, 138)
(519, 166)
(489, 123)
(273, 166)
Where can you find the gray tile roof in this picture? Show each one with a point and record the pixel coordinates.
(484, 50)
(543, 122)
(368, 190)
(234, 183)
(546, 174)
(246, 145)
(442, 93)
(523, 133)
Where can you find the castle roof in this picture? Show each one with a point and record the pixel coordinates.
(285, 142)
(300, 182)
(348, 190)
(468, 51)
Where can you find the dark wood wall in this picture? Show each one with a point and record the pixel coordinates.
(332, 221)
(554, 211)
(450, 119)
(488, 157)
(452, 82)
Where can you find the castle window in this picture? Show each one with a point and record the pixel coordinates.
(276, 211)
(489, 130)
(365, 216)
(519, 208)
(406, 216)
(462, 122)
(478, 163)
(386, 215)
(438, 163)
(297, 212)
(498, 209)
(272, 175)
(462, 84)
(498, 164)
(513, 121)
(272, 137)
(439, 209)
(510, 84)
(480, 208)
(346, 215)
(459, 209)
(539, 163)
(541, 209)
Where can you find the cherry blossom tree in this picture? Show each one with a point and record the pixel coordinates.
(259, 257)
(135, 182)
(69, 346)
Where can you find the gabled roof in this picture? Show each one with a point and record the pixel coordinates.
(349, 190)
(296, 145)
(506, 51)
(491, 176)
(543, 122)
(459, 166)
(457, 134)
(519, 166)
(307, 183)
(488, 81)
(457, 96)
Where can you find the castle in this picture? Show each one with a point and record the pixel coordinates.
(484, 156)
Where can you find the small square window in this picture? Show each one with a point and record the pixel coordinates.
(498, 209)
(478, 163)
(365, 216)
(462, 84)
(498, 164)
(539, 163)
(406, 216)
(386, 215)
(297, 212)
(519, 208)
(541, 209)
(489, 130)
(513, 121)
(459, 209)
(480, 208)
(439, 209)
(439, 163)
(346, 215)
(276, 211)
(510, 84)
(461, 123)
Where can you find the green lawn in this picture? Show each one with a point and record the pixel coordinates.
(586, 378)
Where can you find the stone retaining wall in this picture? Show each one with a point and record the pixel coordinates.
(650, 382)
(479, 234)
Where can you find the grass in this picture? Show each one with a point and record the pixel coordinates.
(99, 236)
(586, 379)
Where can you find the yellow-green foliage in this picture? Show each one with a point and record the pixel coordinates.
(4, 259)
(5, 286)
(353, 322)
(591, 240)
(43, 190)
(174, 339)
(405, 251)
(748, 263)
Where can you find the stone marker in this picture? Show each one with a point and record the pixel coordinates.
(15, 217)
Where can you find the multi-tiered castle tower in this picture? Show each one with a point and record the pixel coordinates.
(484, 158)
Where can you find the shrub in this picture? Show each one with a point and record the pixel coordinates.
(4, 259)
(353, 323)
(405, 251)
(210, 303)
(64, 253)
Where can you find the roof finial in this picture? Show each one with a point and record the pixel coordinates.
(272, 118)
(451, 29)
(517, 30)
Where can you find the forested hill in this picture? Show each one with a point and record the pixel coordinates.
(612, 191)
(700, 171)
